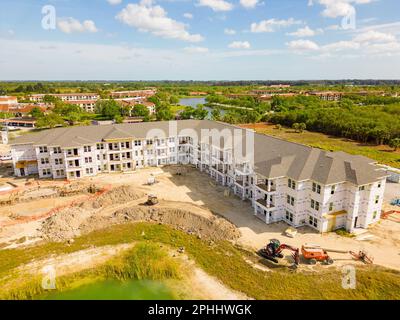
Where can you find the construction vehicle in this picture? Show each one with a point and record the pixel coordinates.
(151, 200)
(313, 253)
(362, 256)
(151, 180)
(273, 250)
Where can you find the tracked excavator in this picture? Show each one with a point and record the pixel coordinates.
(273, 250)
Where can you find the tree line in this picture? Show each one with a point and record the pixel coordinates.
(365, 123)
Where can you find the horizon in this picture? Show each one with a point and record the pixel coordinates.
(281, 81)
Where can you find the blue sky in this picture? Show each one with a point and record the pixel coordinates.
(199, 39)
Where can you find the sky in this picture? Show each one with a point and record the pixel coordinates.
(199, 39)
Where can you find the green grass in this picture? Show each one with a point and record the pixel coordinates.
(145, 261)
(224, 261)
(382, 154)
(343, 233)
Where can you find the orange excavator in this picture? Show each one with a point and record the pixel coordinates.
(273, 250)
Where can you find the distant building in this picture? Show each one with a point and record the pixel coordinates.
(22, 122)
(8, 100)
(20, 110)
(87, 101)
(280, 86)
(198, 93)
(132, 102)
(143, 94)
(327, 95)
(87, 105)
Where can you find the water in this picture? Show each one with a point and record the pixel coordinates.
(193, 102)
(116, 290)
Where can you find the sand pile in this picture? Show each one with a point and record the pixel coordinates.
(64, 225)
(211, 227)
(75, 221)
(115, 196)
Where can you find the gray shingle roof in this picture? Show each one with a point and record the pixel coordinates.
(273, 157)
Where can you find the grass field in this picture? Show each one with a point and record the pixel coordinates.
(383, 154)
(221, 259)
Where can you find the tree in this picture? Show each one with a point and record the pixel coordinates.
(302, 127)
(173, 100)
(50, 99)
(200, 113)
(394, 143)
(140, 110)
(164, 112)
(216, 114)
(36, 112)
(50, 121)
(109, 109)
(188, 113)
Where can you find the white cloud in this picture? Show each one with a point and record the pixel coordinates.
(390, 48)
(369, 43)
(216, 5)
(374, 36)
(229, 32)
(393, 28)
(249, 3)
(147, 17)
(340, 8)
(302, 45)
(272, 24)
(333, 27)
(114, 2)
(341, 45)
(305, 32)
(193, 49)
(70, 25)
(188, 15)
(239, 45)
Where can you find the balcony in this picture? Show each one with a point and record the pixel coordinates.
(265, 187)
(241, 182)
(219, 168)
(264, 203)
(72, 155)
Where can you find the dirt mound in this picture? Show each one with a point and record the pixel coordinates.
(115, 196)
(75, 221)
(211, 227)
(65, 224)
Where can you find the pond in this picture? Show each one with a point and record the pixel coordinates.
(193, 102)
(115, 290)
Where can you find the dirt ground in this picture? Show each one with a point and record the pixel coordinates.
(198, 188)
(181, 197)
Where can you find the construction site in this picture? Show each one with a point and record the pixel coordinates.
(33, 212)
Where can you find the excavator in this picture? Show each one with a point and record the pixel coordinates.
(273, 250)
